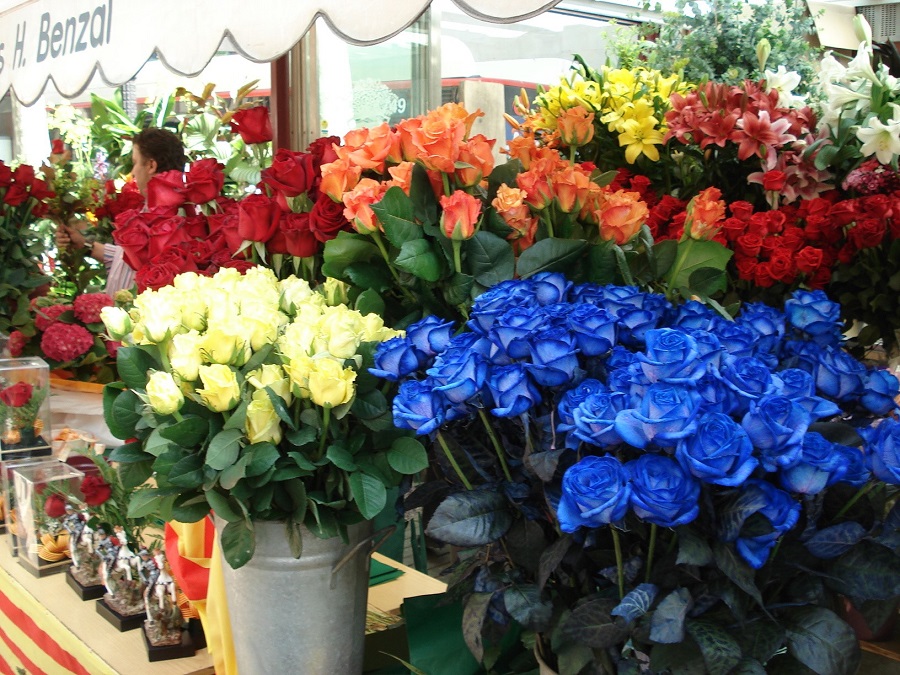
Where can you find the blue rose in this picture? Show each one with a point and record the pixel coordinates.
(839, 375)
(631, 381)
(769, 326)
(620, 357)
(594, 329)
(634, 324)
(419, 407)
(820, 465)
(709, 346)
(776, 426)
(693, 314)
(473, 341)
(801, 354)
(777, 506)
(715, 396)
(511, 330)
(718, 452)
(572, 398)
(512, 389)
(667, 413)
(550, 287)
(430, 335)
(459, 374)
(591, 294)
(671, 356)
(396, 358)
(595, 418)
(497, 300)
(799, 386)
(883, 444)
(662, 492)
(553, 357)
(595, 492)
(738, 340)
(857, 464)
(811, 312)
(557, 315)
(749, 379)
(880, 389)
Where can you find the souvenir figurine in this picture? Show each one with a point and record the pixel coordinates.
(122, 604)
(84, 575)
(164, 629)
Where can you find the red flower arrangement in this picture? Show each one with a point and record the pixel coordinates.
(96, 491)
(16, 395)
(55, 506)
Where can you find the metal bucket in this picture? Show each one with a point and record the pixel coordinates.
(301, 615)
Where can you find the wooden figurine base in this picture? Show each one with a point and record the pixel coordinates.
(94, 592)
(121, 622)
(184, 649)
(198, 635)
(44, 568)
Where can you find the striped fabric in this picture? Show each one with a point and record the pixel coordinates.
(118, 274)
(33, 641)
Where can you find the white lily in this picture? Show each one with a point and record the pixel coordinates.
(881, 139)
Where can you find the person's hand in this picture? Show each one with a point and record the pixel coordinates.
(67, 237)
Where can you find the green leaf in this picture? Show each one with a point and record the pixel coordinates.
(868, 571)
(667, 622)
(368, 493)
(369, 276)
(693, 255)
(707, 281)
(474, 613)
(419, 259)
(720, 650)
(297, 492)
(223, 449)
(489, 258)
(818, 639)
(123, 412)
(692, 548)
(262, 457)
(407, 456)
(761, 639)
(524, 604)
(156, 444)
(130, 452)
(395, 212)
(190, 507)
(221, 506)
(636, 603)
(601, 263)
(230, 476)
(591, 624)
(188, 433)
(345, 249)
(424, 202)
(134, 364)
(471, 518)
(748, 666)
(664, 255)
(369, 302)
(134, 474)
(144, 503)
(550, 255)
(187, 472)
(458, 288)
(341, 458)
(736, 569)
(280, 408)
(238, 543)
(258, 359)
(238, 419)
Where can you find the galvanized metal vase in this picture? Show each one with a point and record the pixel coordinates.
(302, 615)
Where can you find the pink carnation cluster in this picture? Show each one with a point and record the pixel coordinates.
(88, 306)
(66, 342)
(872, 178)
(47, 316)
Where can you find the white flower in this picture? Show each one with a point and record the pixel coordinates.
(861, 65)
(831, 70)
(881, 139)
(784, 82)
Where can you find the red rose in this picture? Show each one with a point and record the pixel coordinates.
(240, 265)
(327, 219)
(132, 233)
(258, 218)
(793, 238)
(867, 233)
(847, 253)
(16, 344)
(16, 194)
(166, 189)
(253, 124)
(876, 206)
(176, 257)
(782, 267)
(820, 278)
(203, 181)
(129, 198)
(200, 251)
(24, 174)
(166, 232)
(762, 276)
(322, 150)
(55, 506)
(775, 221)
(809, 259)
(155, 276)
(16, 395)
(57, 147)
(40, 190)
(733, 228)
(299, 238)
(196, 227)
(291, 173)
(66, 342)
(774, 181)
(95, 490)
(748, 245)
(225, 226)
(746, 267)
(843, 213)
(741, 210)
(5, 175)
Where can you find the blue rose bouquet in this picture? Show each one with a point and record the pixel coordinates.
(640, 487)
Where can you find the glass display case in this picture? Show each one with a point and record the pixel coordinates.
(24, 408)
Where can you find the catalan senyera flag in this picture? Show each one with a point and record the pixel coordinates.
(192, 550)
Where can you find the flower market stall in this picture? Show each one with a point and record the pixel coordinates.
(641, 376)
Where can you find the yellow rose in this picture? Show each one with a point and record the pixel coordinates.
(335, 292)
(337, 336)
(297, 340)
(259, 288)
(294, 292)
(165, 396)
(189, 282)
(184, 355)
(263, 423)
(220, 387)
(222, 305)
(193, 312)
(272, 375)
(262, 325)
(160, 319)
(298, 370)
(224, 346)
(330, 384)
(118, 323)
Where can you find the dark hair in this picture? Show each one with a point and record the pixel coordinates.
(162, 146)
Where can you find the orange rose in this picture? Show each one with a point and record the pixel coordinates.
(401, 175)
(522, 148)
(405, 129)
(592, 201)
(437, 143)
(508, 199)
(358, 205)
(536, 184)
(570, 187)
(454, 113)
(371, 148)
(621, 215)
(477, 152)
(576, 126)
(338, 177)
(705, 212)
(460, 217)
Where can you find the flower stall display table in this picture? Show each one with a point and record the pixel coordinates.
(79, 405)
(44, 627)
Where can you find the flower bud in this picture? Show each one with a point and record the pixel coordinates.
(164, 394)
(460, 217)
(221, 391)
(763, 49)
(335, 292)
(117, 321)
(576, 127)
(330, 384)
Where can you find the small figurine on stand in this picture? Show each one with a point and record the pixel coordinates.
(164, 629)
(122, 605)
(84, 574)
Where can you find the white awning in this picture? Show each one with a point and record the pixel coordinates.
(67, 40)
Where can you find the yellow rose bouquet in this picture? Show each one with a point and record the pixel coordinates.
(251, 396)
